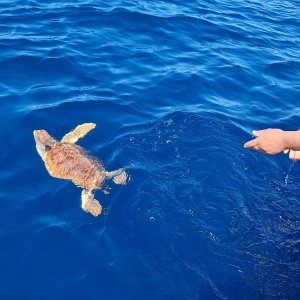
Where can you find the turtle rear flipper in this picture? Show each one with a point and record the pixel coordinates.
(118, 176)
(90, 204)
(79, 132)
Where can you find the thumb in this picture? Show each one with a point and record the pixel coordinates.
(251, 144)
(258, 132)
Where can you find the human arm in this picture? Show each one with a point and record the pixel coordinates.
(273, 141)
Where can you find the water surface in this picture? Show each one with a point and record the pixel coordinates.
(175, 90)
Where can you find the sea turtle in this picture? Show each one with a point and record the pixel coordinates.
(67, 160)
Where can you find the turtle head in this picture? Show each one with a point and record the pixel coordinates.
(43, 141)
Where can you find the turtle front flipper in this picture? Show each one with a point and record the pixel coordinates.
(79, 132)
(90, 204)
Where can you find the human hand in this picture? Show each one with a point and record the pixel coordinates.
(270, 141)
(293, 154)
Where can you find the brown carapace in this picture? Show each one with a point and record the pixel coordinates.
(67, 160)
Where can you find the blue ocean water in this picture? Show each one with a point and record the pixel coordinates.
(175, 89)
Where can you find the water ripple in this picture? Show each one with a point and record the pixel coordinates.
(175, 88)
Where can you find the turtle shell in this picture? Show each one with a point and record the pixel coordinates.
(70, 161)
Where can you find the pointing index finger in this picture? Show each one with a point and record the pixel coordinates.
(258, 132)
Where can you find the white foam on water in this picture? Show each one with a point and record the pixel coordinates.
(286, 179)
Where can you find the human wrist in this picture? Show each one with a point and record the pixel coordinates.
(291, 139)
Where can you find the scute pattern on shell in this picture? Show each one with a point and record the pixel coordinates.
(70, 161)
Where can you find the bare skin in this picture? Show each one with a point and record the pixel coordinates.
(273, 141)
